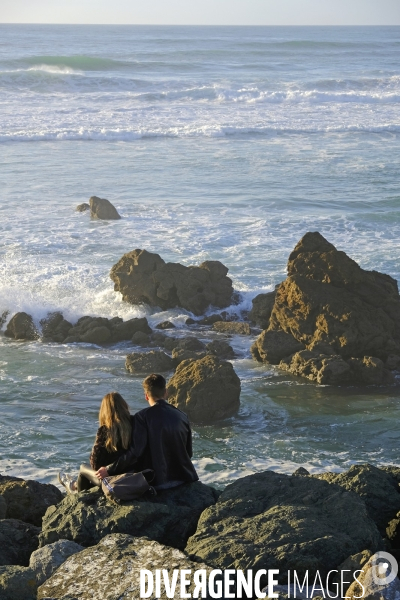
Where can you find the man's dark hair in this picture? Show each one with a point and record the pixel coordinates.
(154, 385)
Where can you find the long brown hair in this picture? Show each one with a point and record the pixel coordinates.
(114, 414)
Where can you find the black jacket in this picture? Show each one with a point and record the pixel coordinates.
(162, 441)
(100, 456)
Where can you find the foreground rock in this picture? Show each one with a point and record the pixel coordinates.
(206, 389)
(332, 321)
(100, 208)
(274, 521)
(27, 500)
(21, 327)
(116, 554)
(17, 583)
(143, 277)
(154, 361)
(46, 560)
(17, 542)
(371, 588)
(169, 518)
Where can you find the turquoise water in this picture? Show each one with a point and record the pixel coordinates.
(213, 143)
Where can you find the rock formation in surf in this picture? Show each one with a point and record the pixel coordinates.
(144, 277)
(100, 208)
(21, 327)
(83, 207)
(332, 321)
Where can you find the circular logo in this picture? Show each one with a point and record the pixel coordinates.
(384, 568)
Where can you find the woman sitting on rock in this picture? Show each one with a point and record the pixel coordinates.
(113, 438)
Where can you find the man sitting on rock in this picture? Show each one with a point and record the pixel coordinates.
(162, 441)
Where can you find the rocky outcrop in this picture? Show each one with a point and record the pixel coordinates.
(83, 207)
(179, 355)
(169, 518)
(99, 330)
(275, 521)
(372, 585)
(260, 313)
(27, 500)
(232, 327)
(17, 542)
(155, 361)
(206, 389)
(100, 208)
(55, 328)
(144, 277)
(79, 576)
(337, 312)
(21, 327)
(45, 561)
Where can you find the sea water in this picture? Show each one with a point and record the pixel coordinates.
(214, 143)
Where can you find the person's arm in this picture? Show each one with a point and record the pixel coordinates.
(127, 461)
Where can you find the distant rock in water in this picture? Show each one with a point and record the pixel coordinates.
(206, 389)
(332, 321)
(100, 208)
(140, 363)
(263, 304)
(144, 277)
(83, 207)
(21, 327)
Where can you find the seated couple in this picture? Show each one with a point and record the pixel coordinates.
(158, 437)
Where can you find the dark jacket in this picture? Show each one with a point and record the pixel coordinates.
(100, 456)
(162, 441)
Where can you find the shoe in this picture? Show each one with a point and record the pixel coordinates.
(67, 481)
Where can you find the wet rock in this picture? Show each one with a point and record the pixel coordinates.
(83, 207)
(100, 208)
(169, 518)
(221, 349)
(79, 577)
(17, 542)
(369, 370)
(141, 339)
(232, 327)
(144, 277)
(179, 355)
(99, 330)
(260, 313)
(275, 521)
(205, 389)
(21, 327)
(273, 346)
(165, 325)
(127, 329)
(368, 588)
(148, 362)
(377, 488)
(324, 369)
(27, 500)
(17, 583)
(190, 321)
(45, 561)
(192, 344)
(55, 328)
(211, 319)
(328, 299)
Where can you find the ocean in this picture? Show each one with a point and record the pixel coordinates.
(214, 143)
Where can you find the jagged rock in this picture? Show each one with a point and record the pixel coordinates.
(17, 542)
(301, 472)
(143, 277)
(168, 518)
(369, 370)
(275, 521)
(21, 327)
(260, 313)
(127, 329)
(368, 589)
(141, 339)
(91, 574)
(27, 500)
(149, 362)
(205, 389)
(273, 346)
(55, 328)
(165, 325)
(324, 369)
(221, 349)
(100, 208)
(83, 207)
(378, 489)
(232, 327)
(327, 300)
(17, 583)
(179, 355)
(45, 561)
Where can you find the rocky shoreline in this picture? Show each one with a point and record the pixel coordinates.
(54, 546)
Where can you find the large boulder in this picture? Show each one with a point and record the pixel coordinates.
(99, 330)
(17, 542)
(111, 570)
(154, 361)
(144, 277)
(206, 389)
(331, 306)
(169, 518)
(55, 328)
(221, 349)
(127, 329)
(260, 313)
(45, 561)
(21, 327)
(274, 521)
(27, 500)
(100, 208)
